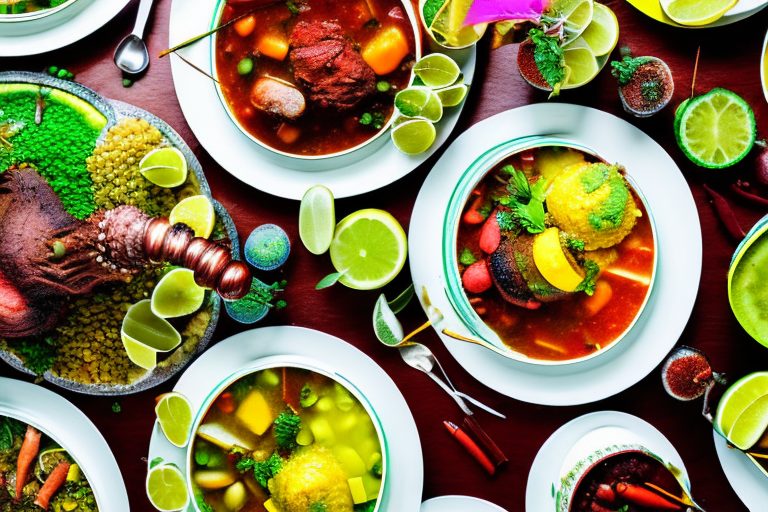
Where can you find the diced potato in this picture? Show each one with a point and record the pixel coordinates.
(235, 496)
(325, 404)
(255, 413)
(350, 460)
(322, 431)
(386, 50)
(270, 506)
(212, 479)
(372, 485)
(357, 489)
(273, 45)
(222, 437)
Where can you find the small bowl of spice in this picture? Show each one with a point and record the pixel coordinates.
(645, 84)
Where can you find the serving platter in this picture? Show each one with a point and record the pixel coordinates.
(747, 480)
(764, 67)
(544, 475)
(115, 111)
(678, 244)
(402, 489)
(67, 425)
(45, 34)
(742, 10)
(255, 165)
(459, 504)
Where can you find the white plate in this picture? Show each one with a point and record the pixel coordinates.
(68, 426)
(544, 476)
(403, 487)
(57, 31)
(256, 166)
(678, 245)
(748, 482)
(459, 504)
(764, 67)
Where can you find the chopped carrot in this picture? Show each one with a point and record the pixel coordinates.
(52, 484)
(291, 391)
(288, 133)
(226, 403)
(273, 45)
(386, 50)
(473, 214)
(245, 26)
(598, 300)
(27, 454)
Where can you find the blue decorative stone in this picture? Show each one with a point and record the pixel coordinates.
(251, 308)
(267, 247)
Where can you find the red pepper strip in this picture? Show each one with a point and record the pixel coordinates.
(52, 484)
(471, 446)
(749, 196)
(726, 215)
(226, 403)
(605, 493)
(473, 215)
(646, 498)
(27, 455)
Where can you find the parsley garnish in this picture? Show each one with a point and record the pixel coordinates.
(264, 470)
(38, 354)
(430, 10)
(624, 69)
(506, 220)
(574, 244)
(590, 280)
(467, 257)
(548, 55)
(291, 5)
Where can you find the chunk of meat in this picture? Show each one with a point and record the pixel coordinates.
(277, 98)
(327, 66)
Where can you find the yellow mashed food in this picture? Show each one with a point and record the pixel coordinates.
(593, 203)
(312, 479)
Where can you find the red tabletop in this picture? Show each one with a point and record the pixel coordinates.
(729, 58)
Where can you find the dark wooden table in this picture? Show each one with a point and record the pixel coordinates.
(729, 58)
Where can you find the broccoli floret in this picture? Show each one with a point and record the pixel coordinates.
(287, 426)
(368, 506)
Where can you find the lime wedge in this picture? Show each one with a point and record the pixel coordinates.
(369, 248)
(581, 64)
(174, 413)
(414, 136)
(696, 13)
(738, 398)
(144, 334)
(49, 459)
(717, 129)
(197, 212)
(165, 167)
(437, 70)
(177, 294)
(448, 25)
(419, 101)
(602, 33)
(167, 488)
(747, 292)
(750, 426)
(577, 15)
(387, 327)
(317, 219)
(453, 95)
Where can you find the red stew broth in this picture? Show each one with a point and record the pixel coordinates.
(323, 131)
(562, 330)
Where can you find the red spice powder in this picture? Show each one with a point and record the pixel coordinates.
(686, 377)
(646, 73)
(527, 65)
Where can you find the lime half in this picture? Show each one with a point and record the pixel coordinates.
(750, 426)
(144, 334)
(419, 101)
(174, 413)
(449, 26)
(177, 294)
(197, 212)
(717, 129)
(369, 248)
(738, 398)
(167, 488)
(414, 136)
(453, 95)
(696, 13)
(437, 70)
(577, 15)
(602, 33)
(581, 64)
(165, 167)
(317, 219)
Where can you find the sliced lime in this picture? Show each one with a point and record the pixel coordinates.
(577, 15)
(437, 70)
(387, 327)
(144, 334)
(452, 95)
(414, 136)
(165, 167)
(448, 26)
(174, 414)
(696, 13)
(602, 33)
(581, 63)
(419, 101)
(317, 219)
(750, 425)
(197, 212)
(177, 294)
(167, 488)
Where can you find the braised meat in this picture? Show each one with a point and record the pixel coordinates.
(327, 66)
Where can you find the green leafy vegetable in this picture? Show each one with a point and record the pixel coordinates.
(624, 69)
(548, 55)
(430, 10)
(574, 244)
(328, 281)
(467, 257)
(38, 354)
(506, 220)
(525, 203)
(155, 462)
(6, 436)
(286, 428)
(201, 503)
(590, 279)
(291, 5)
(116, 407)
(368, 506)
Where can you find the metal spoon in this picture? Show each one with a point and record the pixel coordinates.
(131, 54)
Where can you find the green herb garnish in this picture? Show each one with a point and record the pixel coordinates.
(467, 257)
(375, 120)
(263, 470)
(590, 279)
(651, 90)
(506, 220)
(574, 244)
(116, 407)
(38, 354)
(548, 55)
(286, 428)
(291, 5)
(624, 69)
(430, 10)
(525, 203)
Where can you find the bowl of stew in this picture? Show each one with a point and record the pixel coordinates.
(549, 252)
(286, 434)
(314, 80)
(27, 10)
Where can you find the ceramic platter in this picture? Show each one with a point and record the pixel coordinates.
(459, 504)
(115, 111)
(678, 244)
(45, 34)
(68, 426)
(748, 481)
(258, 167)
(743, 9)
(545, 472)
(764, 67)
(402, 490)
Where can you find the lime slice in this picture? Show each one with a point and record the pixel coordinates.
(167, 488)
(414, 136)
(750, 426)
(696, 13)
(419, 101)
(196, 212)
(602, 33)
(144, 334)
(165, 167)
(747, 292)
(577, 15)
(737, 399)
(387, 327)
(317, 219)
(49, 459)
(717, 129)
(453, 95)
(448, 25)
(177, 294)
(581, 64)
(369, 248)
(437, 70)
(174, 413)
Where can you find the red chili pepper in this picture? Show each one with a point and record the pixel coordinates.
(473, 215)
(644, 497)
(226, 403)
(490, 235)
(726, 215)
(749, 196)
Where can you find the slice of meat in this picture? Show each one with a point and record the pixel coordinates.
(327, 66)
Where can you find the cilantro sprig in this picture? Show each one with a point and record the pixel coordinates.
(549, 58)
(525, 203)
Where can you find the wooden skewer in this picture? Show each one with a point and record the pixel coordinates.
(669, 495)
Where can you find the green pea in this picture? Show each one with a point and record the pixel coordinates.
(383, 86)
(245, 66)
(59, 250)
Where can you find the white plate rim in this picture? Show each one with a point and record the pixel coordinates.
(63, 422)
(545, 472)
(747, 481)
(742, 10)
(403, 489)
(463, 503)
(673, 297)
(256, 166)
(87, 20)
(764, 67)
